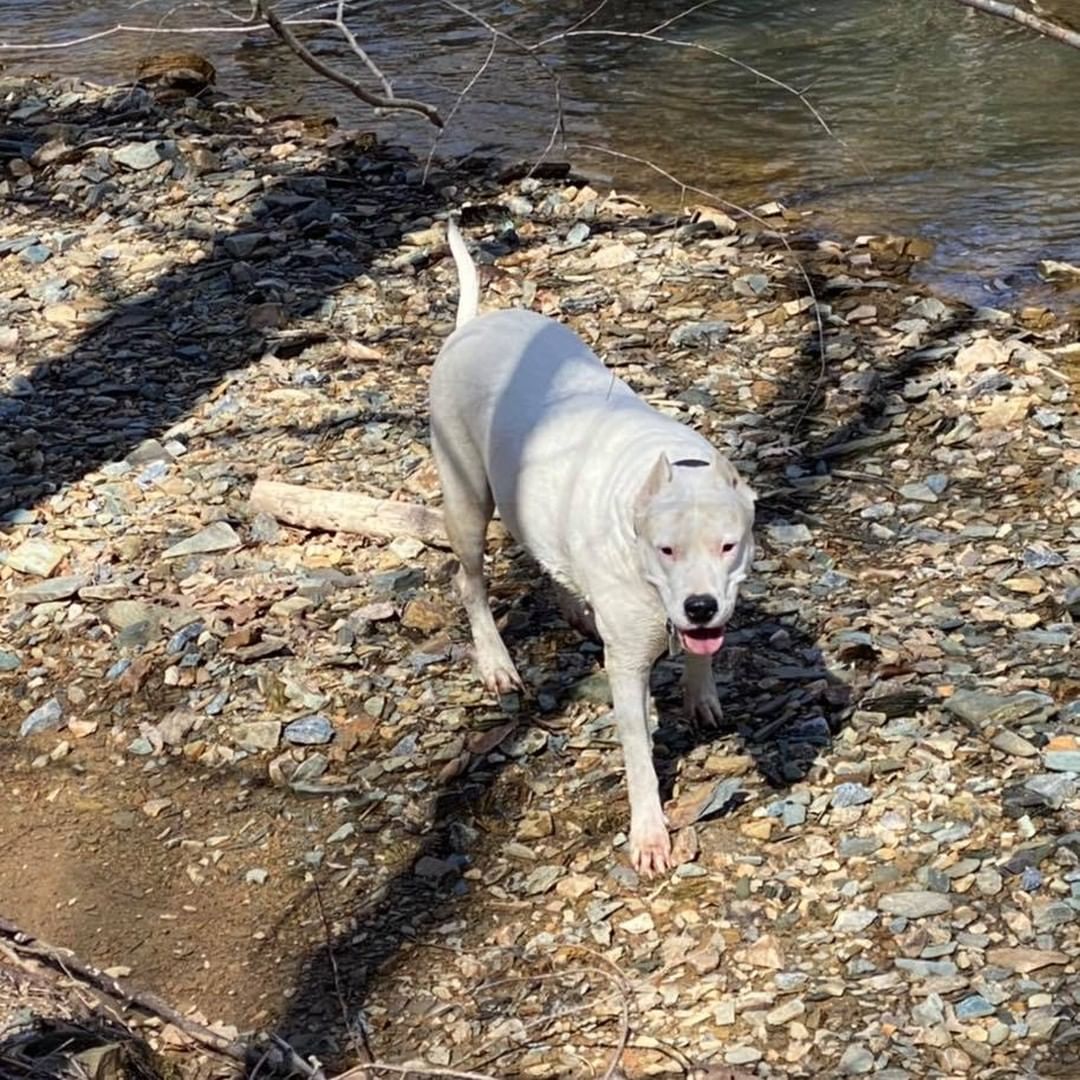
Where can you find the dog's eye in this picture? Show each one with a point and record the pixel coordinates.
(668, 551)
(727, 548)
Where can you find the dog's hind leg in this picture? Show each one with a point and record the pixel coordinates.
(467, 509)
(576, 612)
(700, 698)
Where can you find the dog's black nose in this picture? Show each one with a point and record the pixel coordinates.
(700, 608)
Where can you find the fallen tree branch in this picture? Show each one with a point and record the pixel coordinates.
(348, 511)
(63, 960)
(376, 101)
(1025, 18)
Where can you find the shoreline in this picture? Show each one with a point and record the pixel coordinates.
(219, 707)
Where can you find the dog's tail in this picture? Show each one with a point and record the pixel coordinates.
(468, 279)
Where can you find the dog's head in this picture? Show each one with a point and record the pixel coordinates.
(694, 526)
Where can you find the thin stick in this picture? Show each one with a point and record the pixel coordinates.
(365, 1046)
(457, 105)
(1025, 18)
(376, 101)
(74, 968)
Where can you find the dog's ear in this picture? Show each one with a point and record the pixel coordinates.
(725, 471)
(659, 476)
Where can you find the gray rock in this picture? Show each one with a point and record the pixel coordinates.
(855, 847)
(313, 730)
(701, 335)
(925, 969)
(47, 717)
(974, 1008)
(9, 661)
(36, 254)
(1010, 743)
(542, 879)
(981, 708)
(850, 794)
(219, 536)
(856, 1061)
(915, 905)
(854, 920)
(264, 529)
(1062, 760)
(51, 591)
(139, 156)
(788, 535)
(578, 234)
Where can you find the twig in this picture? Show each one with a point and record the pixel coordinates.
(613, 975)
(1026, 18)
(558, 127)
(357, 1072)
(684, 187)
(72, 966)
(376, 101)
(365, 1046)
(457, 105)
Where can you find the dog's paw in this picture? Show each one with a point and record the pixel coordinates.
(704, 710)
(499, 674)
(650, 849)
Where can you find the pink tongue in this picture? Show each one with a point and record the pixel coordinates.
(702, 646)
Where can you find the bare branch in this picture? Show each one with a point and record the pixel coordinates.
(377, 101)
(457, 104)
(1025, 18)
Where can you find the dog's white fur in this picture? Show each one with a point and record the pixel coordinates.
(628, 510)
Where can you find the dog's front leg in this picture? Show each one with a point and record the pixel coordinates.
(628, 673)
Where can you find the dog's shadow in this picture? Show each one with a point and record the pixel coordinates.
(782, 704)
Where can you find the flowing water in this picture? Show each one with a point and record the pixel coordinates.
(919, 117)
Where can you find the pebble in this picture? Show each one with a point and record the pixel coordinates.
(856, 1060)
(915, 904)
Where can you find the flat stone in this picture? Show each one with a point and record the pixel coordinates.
(47, 717)
(37, 557)
(1008, 742)
(220, 536)
(51, 590)
(915, 905)
(542, 879)
(982, 708)
(700, 335)
(258, 734)
(789, 535)
(1024, 961)
(610, 256)
(314, 730)
(854, 920)
(856, 1060)
(850, 794)
(138, 156)
(1062, 760)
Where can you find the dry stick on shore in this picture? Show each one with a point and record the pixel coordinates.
(27, 945)
(1027, 19)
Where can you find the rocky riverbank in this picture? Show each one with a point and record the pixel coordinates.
(249, 766)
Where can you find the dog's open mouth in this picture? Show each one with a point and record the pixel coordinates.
(703, 641)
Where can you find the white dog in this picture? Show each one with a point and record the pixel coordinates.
(645, 526)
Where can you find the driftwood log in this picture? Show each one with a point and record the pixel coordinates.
(351, 512)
